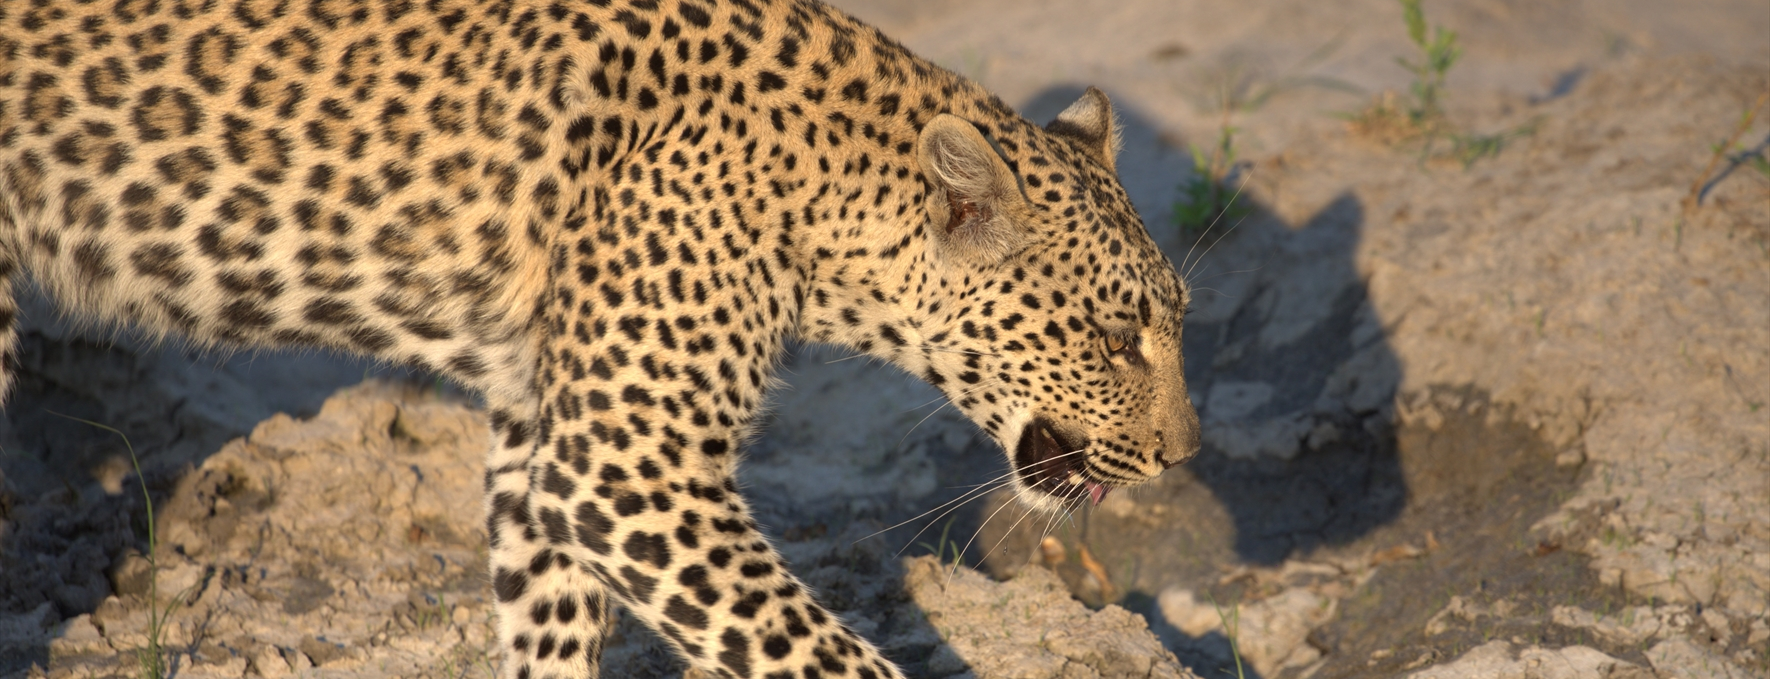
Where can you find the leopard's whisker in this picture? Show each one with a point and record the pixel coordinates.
(1208, 230)
(931, 413)
(1030, 507)
(1194, 248)
(980, 527)
(985, 487)
(1232, 197)
(963, 392)
(1004, 480)
(1001, 481)
(1230, 273)
(949, 510)
(1187, 274)
(1220, 292)
(991, 484)
(1187, 277)
(966, 352)
(959, 559)
(1010, 531)
(1051, 525)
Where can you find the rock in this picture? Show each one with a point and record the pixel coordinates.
(1182, 609)
(364, 563)
(306, 594)
(1233, 422)
(1720, 628)
(1230, 401)
(1278, 438)
(1466, 611)
(1270, 633)
(1323, 434)
(945, 661)
(1296, 303)
(1499, 660)
(131, 574)
(1680, 658)
(1572, 457)
(77, 637)
(79, 597)
(1030, 628)
(327, 560)
(319, 651)
(1628, 627)
(268, 662)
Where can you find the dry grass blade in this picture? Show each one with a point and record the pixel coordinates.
(1693, 199)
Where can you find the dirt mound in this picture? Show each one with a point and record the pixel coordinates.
(348, 545)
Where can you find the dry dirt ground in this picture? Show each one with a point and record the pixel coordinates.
(1504, 420)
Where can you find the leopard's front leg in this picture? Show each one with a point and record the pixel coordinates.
(553, 616)
(633, 480)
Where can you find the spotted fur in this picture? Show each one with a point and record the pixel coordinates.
(608, 216)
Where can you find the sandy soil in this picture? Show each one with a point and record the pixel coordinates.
(1507, 420)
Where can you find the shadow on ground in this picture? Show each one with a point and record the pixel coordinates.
(1336, 524)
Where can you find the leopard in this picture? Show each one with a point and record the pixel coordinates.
(609, 219)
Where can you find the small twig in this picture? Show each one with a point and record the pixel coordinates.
(1108, 592)
(1694, 199)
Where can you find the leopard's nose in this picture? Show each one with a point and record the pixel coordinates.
(1177, 453)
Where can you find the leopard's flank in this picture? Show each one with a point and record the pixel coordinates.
(607, 216)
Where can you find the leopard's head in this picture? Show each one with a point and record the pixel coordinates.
(1059, 320)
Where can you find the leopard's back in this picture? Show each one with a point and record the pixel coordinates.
(369, 177)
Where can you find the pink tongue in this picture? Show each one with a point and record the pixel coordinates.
(1096, 492)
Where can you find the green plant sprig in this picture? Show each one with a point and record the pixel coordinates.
(153, 656)
(1205, 197)
(1437, 55)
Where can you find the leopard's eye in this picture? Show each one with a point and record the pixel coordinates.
(1126, 349)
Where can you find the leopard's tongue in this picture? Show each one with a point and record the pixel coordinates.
(1097, 492)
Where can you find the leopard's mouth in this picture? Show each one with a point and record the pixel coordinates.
(1053, 463)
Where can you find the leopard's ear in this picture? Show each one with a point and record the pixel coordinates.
(1089, 122)
(974, 202)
